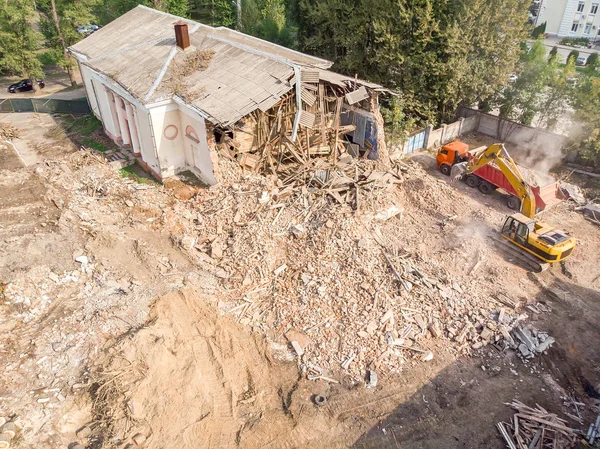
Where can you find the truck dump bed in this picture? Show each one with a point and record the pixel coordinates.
(544, 187)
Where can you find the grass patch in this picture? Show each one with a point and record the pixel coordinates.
(84, 125)
(94, 144)
(137, 174)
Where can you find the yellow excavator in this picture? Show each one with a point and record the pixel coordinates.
(534, 243)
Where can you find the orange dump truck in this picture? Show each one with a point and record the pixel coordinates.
(489, 177)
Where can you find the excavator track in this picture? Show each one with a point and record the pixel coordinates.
(523, 258)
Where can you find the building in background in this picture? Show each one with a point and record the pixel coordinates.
(570, 18)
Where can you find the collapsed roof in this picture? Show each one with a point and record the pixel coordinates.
(242, 73)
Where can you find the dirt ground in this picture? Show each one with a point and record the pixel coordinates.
(109, 320)
(57, 85)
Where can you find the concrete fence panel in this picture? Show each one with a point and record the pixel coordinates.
(435, 138)
(452, 131)
(470, 124)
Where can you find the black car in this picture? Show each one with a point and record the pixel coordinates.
(24, 86)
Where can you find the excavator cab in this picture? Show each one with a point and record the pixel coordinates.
(517, 228)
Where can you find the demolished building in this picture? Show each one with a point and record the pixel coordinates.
(174, 90)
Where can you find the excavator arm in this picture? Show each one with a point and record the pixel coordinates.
(498, 154)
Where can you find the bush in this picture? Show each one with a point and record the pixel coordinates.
(593, 60)
(553, 53)
(538, 31)
(583, 41)
(574, 54)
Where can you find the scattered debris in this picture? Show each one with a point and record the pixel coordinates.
(372, 379)
(531, 340)
(8, 131)
(319, 400)
(536, 427)
(593, 433)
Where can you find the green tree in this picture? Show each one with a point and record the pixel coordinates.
(524, 98)
(438, 53)
(538, 31)
(108, 10)
(398, 123)
(558, 95)
(19, 40)
(593, 61)
(585, 138)
(268, 19)
(574, 54)
(553, 55)
(483, 54)
(58, 23)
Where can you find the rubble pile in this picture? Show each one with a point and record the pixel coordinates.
(536, 427)
(322, 265)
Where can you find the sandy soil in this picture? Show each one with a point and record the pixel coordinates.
(135, 339)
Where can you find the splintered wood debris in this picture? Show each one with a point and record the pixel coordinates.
(536, 428)
(284, 140)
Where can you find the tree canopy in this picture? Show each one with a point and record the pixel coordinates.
(18, 40)
(439, 54)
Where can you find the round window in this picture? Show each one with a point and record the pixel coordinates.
(170, 132)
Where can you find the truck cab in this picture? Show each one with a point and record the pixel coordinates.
(450, 154)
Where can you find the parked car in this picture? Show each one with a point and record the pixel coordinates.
(512, 77)
(88, 29)
(24, 86)
(580, 61)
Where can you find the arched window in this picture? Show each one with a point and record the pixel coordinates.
(192, 134)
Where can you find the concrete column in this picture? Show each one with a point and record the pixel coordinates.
(138, 130)
(113, 112)
(428, 130)
(135, 141)
(442, 141)
(122, 121)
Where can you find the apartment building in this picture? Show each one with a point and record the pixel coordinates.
(572, 18)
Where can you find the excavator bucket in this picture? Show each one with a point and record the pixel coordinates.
(458, 171)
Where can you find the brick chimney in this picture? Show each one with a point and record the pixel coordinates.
(181, 35)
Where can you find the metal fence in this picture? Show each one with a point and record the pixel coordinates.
(415, 142)
(44, 105)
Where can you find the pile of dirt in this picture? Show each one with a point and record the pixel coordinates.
(188, 378)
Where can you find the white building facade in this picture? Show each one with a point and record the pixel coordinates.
(571, 18)
(165, 137)
(130, 69)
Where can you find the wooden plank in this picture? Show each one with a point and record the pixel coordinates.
(550, 424)
(358, 95)
(307, 119)
(336, 125)
(308, 97)
(309, 76)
